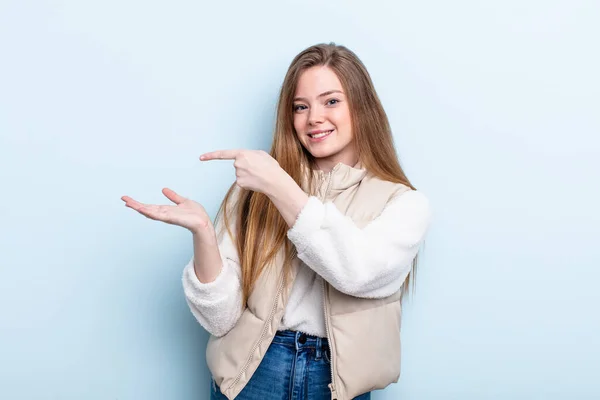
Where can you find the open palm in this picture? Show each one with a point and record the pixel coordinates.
(185, 213)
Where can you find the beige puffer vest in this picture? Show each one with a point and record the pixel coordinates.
(364, 334)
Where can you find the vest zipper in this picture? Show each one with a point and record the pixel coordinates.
(326, 312)
(274, 309)
(331, 348)
(262, 334)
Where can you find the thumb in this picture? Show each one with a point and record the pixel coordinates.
(174, 197)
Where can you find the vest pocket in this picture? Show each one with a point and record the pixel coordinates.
(223, 354)
(367, 348)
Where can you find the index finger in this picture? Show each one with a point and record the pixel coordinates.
(221, 155)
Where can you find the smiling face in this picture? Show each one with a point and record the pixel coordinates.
(322, 118)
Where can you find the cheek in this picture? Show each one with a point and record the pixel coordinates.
(298, 124)
(342, 118)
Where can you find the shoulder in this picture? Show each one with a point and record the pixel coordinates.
(391, 190)
(399, 196)
(410, 206)
(410, 199)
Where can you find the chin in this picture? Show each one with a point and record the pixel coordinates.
(322, 154)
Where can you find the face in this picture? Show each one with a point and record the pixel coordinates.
(322, 118)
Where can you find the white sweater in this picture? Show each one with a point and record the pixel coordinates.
(371, 262)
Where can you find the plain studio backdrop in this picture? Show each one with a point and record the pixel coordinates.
(495, 113)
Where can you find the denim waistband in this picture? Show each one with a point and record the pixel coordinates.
(300, 340)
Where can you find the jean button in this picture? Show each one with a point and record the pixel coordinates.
(302, 339)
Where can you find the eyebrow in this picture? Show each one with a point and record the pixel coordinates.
(327, 93)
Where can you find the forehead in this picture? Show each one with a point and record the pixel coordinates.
(317, 80)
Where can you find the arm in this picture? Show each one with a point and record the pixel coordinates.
(258, 171)
(287, 196)
(212, 281)
(207, 262)
(372, 262)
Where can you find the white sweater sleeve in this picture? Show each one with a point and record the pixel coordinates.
(371, 262)
(216, 305)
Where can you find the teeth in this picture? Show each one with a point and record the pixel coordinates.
(320, 135)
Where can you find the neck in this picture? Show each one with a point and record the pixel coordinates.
(328, 163)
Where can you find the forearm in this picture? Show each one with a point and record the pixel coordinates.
(207, 257)
(216, 305)
(212, 282)
(288, 197)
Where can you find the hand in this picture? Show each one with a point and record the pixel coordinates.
(254, 169)
(186, 213)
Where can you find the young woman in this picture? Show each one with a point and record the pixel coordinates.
(300, 280)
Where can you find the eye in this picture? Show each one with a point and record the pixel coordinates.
(332, 102)
(299, 107)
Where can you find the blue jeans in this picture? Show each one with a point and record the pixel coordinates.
(296, 367)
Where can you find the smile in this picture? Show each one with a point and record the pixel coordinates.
(320, 135)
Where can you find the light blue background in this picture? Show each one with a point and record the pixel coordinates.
(495, 111)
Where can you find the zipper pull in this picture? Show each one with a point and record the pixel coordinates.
(333, 392)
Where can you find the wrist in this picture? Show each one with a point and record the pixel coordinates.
(289, 198)
(280, 184)
(205, 232)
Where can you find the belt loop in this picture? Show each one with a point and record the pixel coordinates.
(318, 349)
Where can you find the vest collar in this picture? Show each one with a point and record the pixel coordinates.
(343, 176)
(339, 179)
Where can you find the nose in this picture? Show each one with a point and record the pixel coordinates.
(315, 116)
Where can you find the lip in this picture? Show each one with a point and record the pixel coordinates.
(316, 140)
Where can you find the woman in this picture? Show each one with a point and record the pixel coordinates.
(300, 282)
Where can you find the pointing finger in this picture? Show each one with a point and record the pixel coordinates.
(221, 155)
